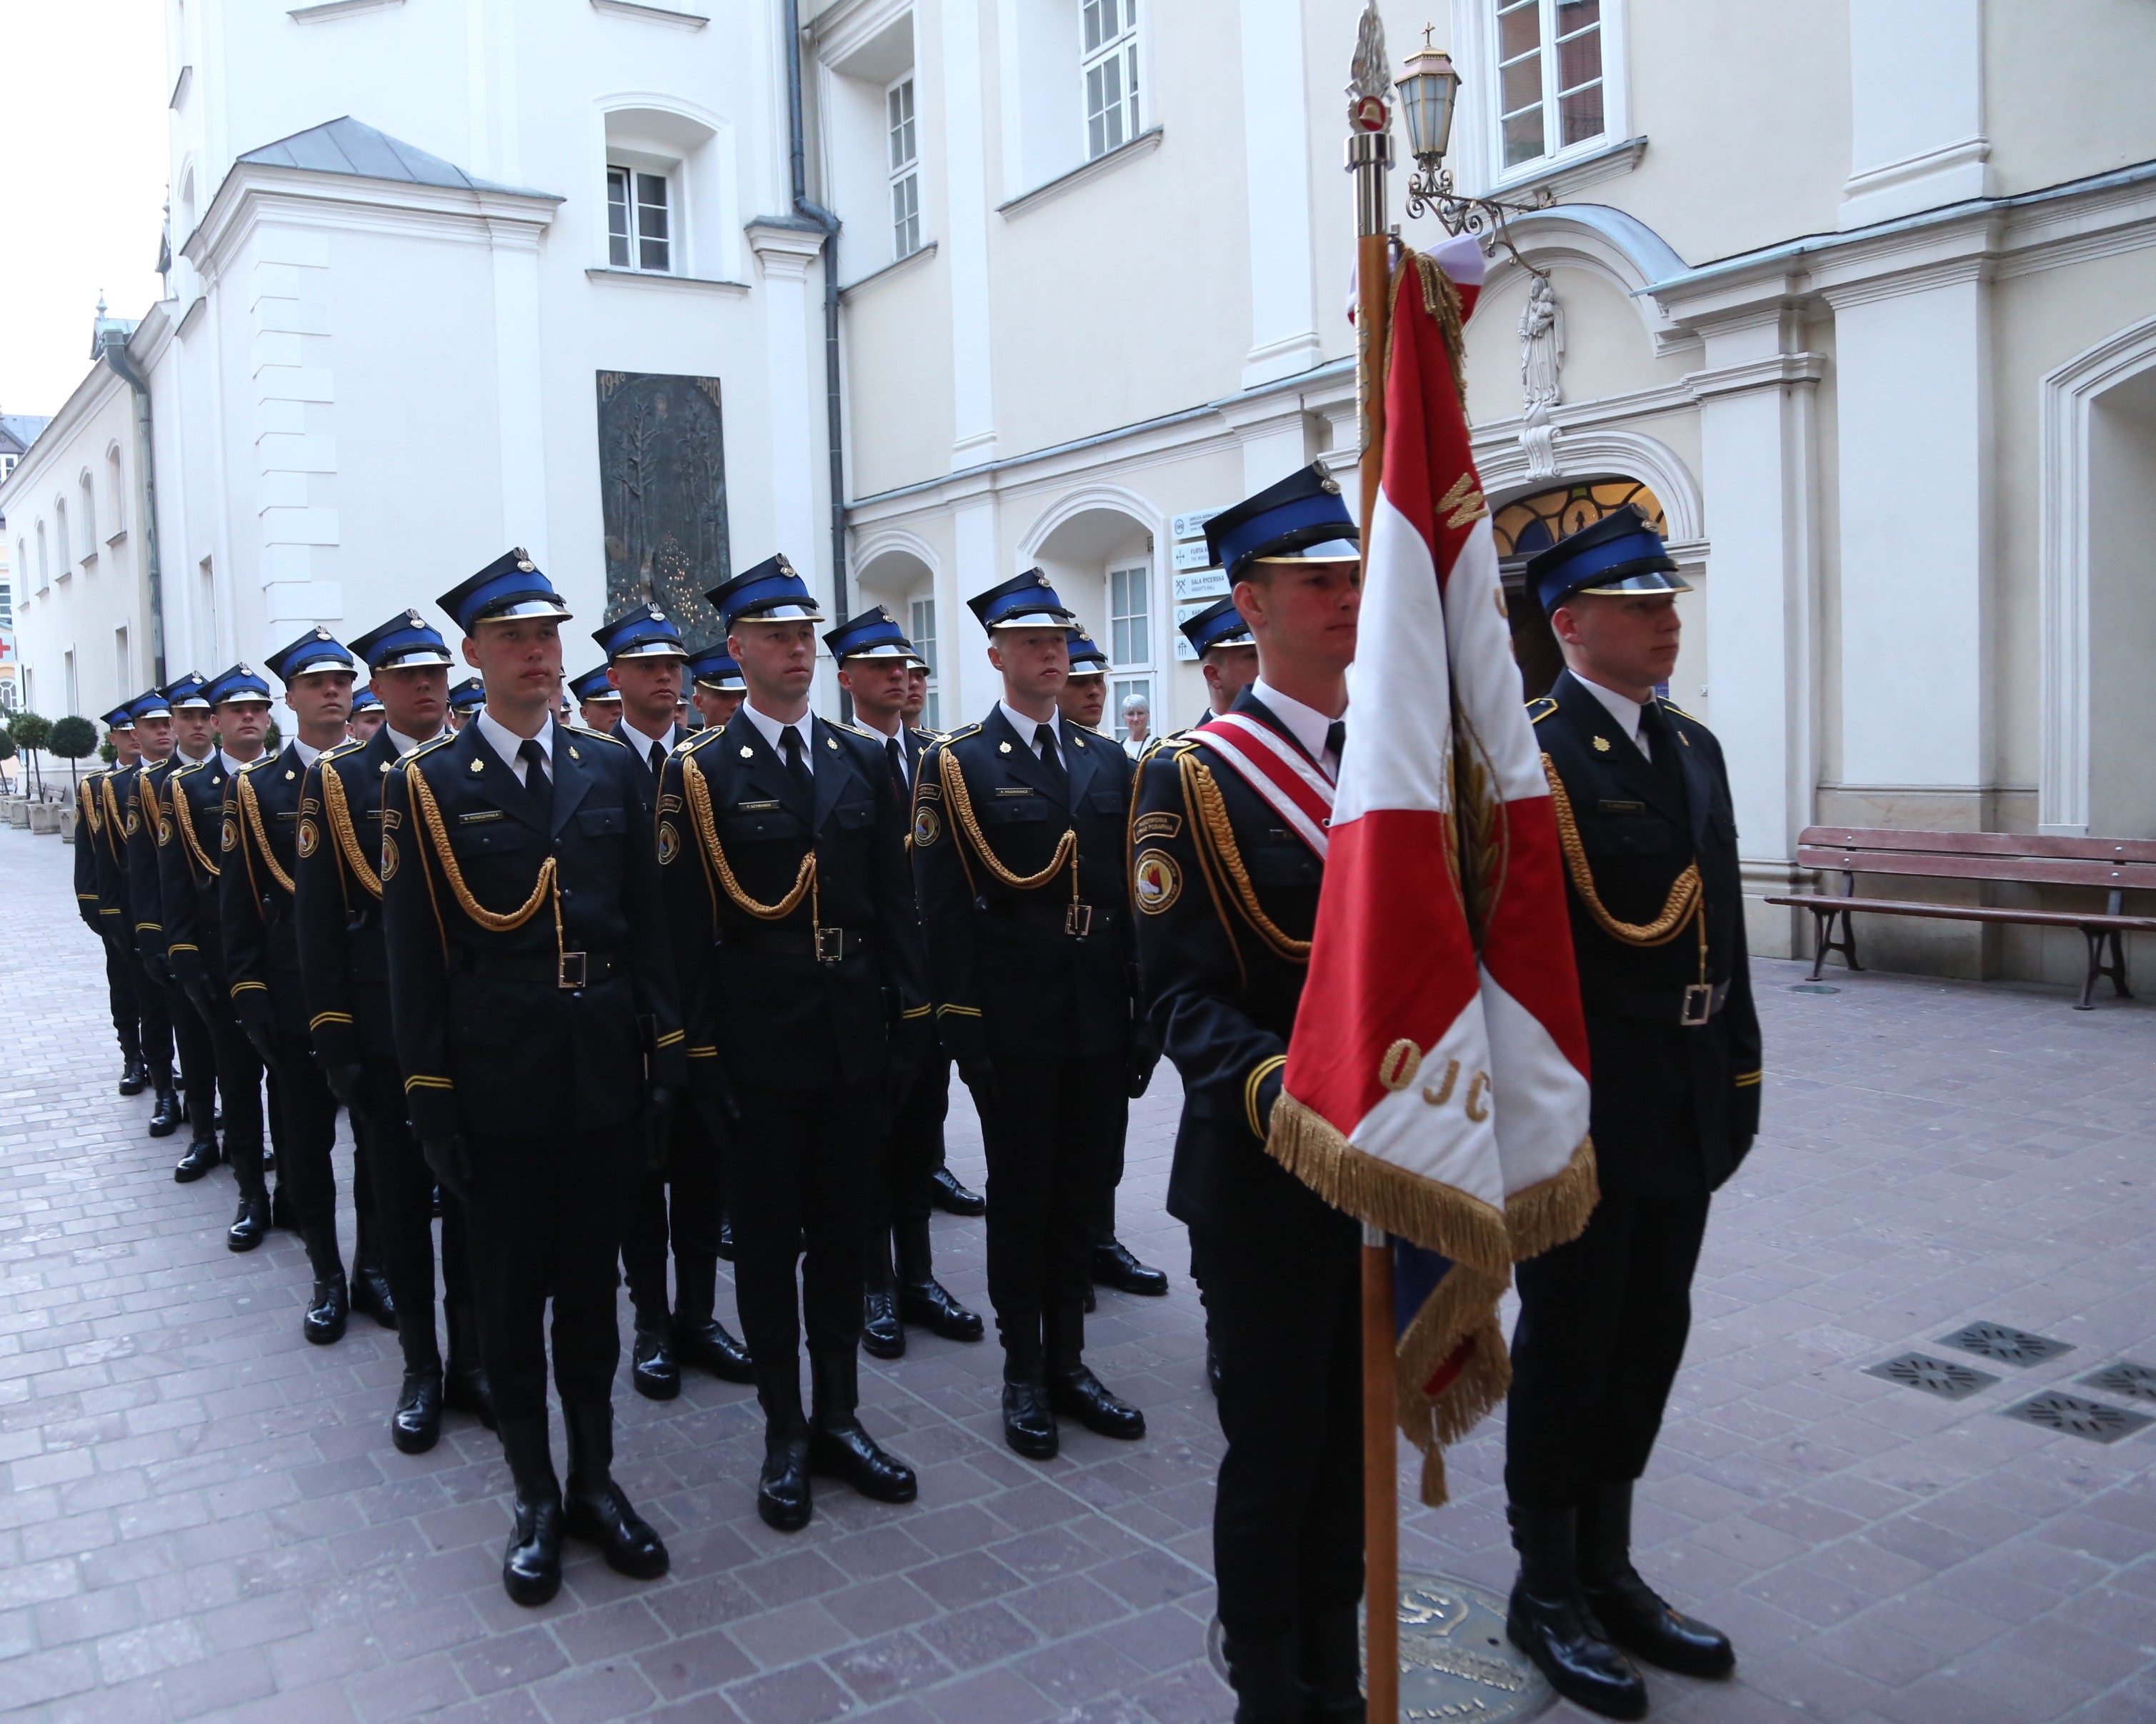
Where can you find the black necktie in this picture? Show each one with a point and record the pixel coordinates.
(658, 760)
(1663, 746)
(896, 756)
(789, 742)
(535, 781)
(1336, 743)
(1045, 734)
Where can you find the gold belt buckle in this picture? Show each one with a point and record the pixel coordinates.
(830, 945)
(570, 970)
(1078, 921)
(1698, 1005)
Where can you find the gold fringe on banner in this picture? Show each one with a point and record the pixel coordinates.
(1423, 1212)
(1461, 1316)
(1554, 1213)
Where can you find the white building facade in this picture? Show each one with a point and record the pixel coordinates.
(1858, 298)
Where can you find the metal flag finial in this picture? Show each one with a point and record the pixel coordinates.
(1370, 75)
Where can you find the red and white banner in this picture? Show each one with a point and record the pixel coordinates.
(1436, 1083)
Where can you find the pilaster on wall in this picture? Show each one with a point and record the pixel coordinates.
(970, 682)
(1916, 116)
(783, 255)
(1277, 169)
(295, 443)
(966, 182)
(519, 406)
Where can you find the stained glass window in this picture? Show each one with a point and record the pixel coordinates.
(1535, 523)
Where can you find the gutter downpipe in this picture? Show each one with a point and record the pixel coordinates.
(123, 365)
(834, 410)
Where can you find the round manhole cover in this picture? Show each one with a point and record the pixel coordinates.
(1455, 1662)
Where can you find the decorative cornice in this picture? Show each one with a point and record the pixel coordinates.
(785, 249)
(1144, 143)
(1780, 371)
(647, 278)
(326, 10)
(681, 18)
(876, 278)
(1565, 180)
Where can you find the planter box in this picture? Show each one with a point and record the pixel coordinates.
(44, 817)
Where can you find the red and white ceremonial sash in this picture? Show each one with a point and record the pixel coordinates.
(1274, 768)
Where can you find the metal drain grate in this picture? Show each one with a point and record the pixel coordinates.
(2008, 1344)
(1943, 1378)
(1814, 987)
(2125, 1378)
(2055, 1410)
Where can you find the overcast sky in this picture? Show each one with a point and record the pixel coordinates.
(82, 197)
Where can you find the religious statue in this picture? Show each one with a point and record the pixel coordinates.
(1542, 354)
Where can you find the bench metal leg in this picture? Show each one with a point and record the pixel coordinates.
(1823, 935)
(2116, 969)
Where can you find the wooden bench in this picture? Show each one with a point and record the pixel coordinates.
(2116, 866)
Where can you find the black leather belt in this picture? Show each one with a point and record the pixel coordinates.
(1076, 920)
(567, 969)
(1691, 1007)
(828, 946)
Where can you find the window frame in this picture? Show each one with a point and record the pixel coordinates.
(1478, 155)
(1124, 48)
(1129, 629)
(635, 168)
(905, 173)
(924, 643)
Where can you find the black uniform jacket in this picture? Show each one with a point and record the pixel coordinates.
(1223, 975)
(114, 913)
(196, 791)
(258, 848)
(640, 745)
(1011, 980)
(762, 1008)
(1674, 1109)
(491, 1039)
(344, 960)
(89, 824)
(148, 824)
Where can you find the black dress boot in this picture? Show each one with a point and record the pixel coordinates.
(164, 1116)
(652, 1367)
(250, 1226)
(923, 1300)
(200, 1157)
(1028, 1420)
(464, 1387)
(1635, 1617)
(134, 1072)
(330, 1303)
(1261, 1670)
(883, 1336)
(782, 1488)
(416, 1425)
(700, 1339)
(531, 1567)
(1549, 1621)
(1074, 1391)
(945, 1191)
(1329, 1666)
(1113, 1266)
(839, 1447)
(370, 1292)
(593, 1508)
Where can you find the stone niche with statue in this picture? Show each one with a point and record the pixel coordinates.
(662, 477)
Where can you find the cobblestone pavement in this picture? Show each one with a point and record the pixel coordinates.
(203, 1516)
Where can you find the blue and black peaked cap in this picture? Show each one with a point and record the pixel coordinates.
(510, 585)
(770, 593)
(1619, 553)
(1302, 519)
(406, 639)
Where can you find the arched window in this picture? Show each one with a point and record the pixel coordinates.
(1533, 523)
(115, 481)
(60, 536)
(88, 517)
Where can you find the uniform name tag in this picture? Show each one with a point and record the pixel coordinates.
(1013, 790)
(484, 814)
(757, 808)
(1606, 806)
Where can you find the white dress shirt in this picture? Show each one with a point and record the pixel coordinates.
(770, 729)
(1306, 724)
(643, 744)
(308, 755)
(898, 735)
(1623, 712)
(403, 744)
(505, 742)
(232, 768)
(1027, 729)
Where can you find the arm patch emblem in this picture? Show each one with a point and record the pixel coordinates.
(388, 859)
(670, 842)
(229, 838)
(927, 826)
(308, 838)
(1155, 882)
(1159, 823)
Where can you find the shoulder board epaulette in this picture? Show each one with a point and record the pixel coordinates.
(578, 729)
(192, 766)
(1540, 708)
(1670, 705)
(928, 734)
(342, 750)
(704, 738)
(424, 749)
(256, 766)
(1181, 743)
(960, 735)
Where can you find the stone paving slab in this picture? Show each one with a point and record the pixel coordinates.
(203, 1517)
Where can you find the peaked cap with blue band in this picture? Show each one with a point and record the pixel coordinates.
(153, 705)
(1086, 658)
(1302, 519)
(188, 691)
(510, 585)
(121, 718)
(242, 682)
(1219, 624)
(365, 700)
(644, 633)
(468, 695)
(873, 635)
(593, 685)
(769, 592)
(317, 650)
(407, 638)
(717, 673)
(1619, 553)
(1026, 601)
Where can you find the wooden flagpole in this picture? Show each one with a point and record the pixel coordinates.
(1369, 155)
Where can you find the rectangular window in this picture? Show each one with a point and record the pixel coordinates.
(1549, 76)
(639, 235)
(1130, 633)
(74, 702)
(1121, 690)
(1108, 59)
(923, 633)
(905, 170)
(7, 605)
(123, 661)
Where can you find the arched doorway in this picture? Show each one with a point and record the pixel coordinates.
(1534, 522)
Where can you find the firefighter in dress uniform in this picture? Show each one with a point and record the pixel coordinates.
(344, 969)
(1227, 895)
(367, 714)
(645, 660)
(142, 903)
(531, 994)
(1645, 819)
(782, 841)
(1018, 834)
(875, 660)
(1226, 655)
(598, 701)
(101, 862)
(466, 698)
(239, 700)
